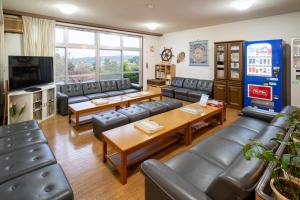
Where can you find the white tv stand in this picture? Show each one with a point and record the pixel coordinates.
(39, 105)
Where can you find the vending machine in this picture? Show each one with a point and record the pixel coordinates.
(264, 75)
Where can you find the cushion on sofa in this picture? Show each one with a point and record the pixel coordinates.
(97, 96)
(250, 123)
(72, 89)
(43, 184)
(19, 141)
(91, 87)
(77, 99)
(177, 82)
(18, 128)
(109, 85)
(22, 161)
(127, 91)
(123, 84)
(114, 93)
(205, 85)
(190, 83)
(196, 170)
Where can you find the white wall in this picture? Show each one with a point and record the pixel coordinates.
(150, 58)
(276, 27)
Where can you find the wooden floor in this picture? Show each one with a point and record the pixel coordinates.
(79, 153)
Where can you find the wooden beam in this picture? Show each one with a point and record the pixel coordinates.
(76, 22)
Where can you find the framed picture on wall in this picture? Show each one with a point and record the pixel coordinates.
(199, 53)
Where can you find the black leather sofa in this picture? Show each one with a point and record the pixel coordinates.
(28, 168)
(188, 89)
(79, 92)
(215, 168)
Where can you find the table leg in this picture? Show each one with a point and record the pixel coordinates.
(104, 147)
(123, 168)
(188, 135)
(160, 96)
(70, 116)
(76, 120)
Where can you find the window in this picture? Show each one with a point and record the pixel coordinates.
(83, 55)
(81, 64)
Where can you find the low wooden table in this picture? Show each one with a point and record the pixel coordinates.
(83, 108)
(133, 145)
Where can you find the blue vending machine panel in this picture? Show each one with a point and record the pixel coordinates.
(263, 80)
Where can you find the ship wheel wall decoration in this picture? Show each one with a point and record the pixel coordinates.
(166, 55)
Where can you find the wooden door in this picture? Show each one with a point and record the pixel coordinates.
(235, 61)
(220, 91)
(221, 61)
(235, 95)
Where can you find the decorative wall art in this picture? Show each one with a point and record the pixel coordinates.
(166, 55)
(199, 53)
(180, 57)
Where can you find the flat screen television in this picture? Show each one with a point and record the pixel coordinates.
(29, 71)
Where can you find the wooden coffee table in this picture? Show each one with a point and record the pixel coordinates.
(133, 145)
(84, 108)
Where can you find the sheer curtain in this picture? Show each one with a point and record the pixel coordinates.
(2, 55)
(38, 36)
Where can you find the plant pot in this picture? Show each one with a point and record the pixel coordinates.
(277, 194)
(290, 177)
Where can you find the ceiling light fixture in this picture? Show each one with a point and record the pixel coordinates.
(150, 6)
(152, 26)
(67, 8)
(242, 4)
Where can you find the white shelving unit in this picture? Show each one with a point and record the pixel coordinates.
(295, 71)
(39, 105)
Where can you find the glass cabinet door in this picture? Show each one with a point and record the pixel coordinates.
(235, 61)
(296, 54)
(220, 61)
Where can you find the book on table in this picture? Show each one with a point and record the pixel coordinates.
(148, 126)
(99, 101)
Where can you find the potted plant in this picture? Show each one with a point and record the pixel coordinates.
(285, 185)
(15, 112)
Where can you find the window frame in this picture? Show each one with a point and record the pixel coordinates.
(98, 47)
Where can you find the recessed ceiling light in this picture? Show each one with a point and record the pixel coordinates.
(67, 8)
(242, 4)
(152, 26)
(150, 6)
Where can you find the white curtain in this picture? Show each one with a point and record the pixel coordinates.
(38, 36)
(2, 54)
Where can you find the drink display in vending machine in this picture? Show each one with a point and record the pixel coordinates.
(264, 75)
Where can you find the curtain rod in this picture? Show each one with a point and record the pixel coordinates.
(75, 22)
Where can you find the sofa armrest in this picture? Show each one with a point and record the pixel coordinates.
(136, 86)
(62, 103)
(168, 183)
(267, 116)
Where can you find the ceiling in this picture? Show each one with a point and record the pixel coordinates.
(172, 15)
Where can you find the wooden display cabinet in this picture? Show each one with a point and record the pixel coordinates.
(229, 69)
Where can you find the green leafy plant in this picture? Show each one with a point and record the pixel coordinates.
(16, 112)
(289, 162)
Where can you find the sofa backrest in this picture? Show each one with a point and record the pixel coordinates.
(190, 83)
(205, 85)
(123, 84)
(177, 82)
(72, 89)
(91, 87)
(109, 85)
